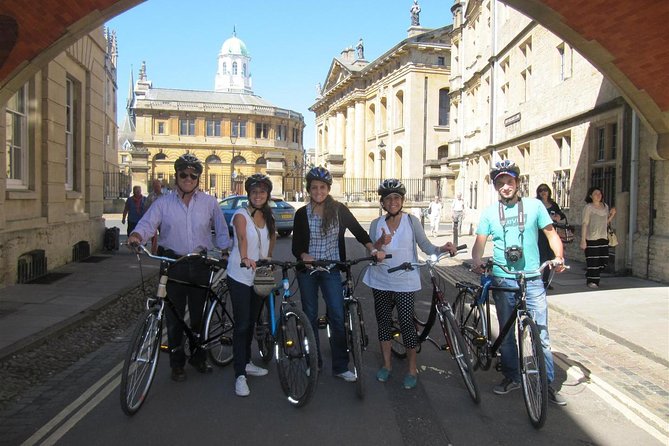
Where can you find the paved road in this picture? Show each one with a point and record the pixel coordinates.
(80, 406)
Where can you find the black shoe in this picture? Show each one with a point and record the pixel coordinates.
(178, 374)
(202, 367)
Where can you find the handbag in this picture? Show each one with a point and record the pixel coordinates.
(613, 238)
(263, 277)
(565, 231)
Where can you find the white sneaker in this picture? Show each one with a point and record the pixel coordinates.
(241, 387)
(347, 376)
(254, 370)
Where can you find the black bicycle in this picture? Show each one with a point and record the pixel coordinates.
(290, 336)
(472, 311)
(141, 358)
(441, 309)
(354, 321)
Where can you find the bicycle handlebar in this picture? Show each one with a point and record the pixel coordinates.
(429, 262)
(209, 260)
(316, 263)
(551, 263)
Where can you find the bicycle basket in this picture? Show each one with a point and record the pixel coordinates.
(263, 281)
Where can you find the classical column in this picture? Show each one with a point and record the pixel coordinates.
(350, 141)
(275, 171)
(340, 136)
(359, 155)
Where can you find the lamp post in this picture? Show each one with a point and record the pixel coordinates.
(233, 174)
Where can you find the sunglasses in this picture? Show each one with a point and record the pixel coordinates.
(184, 175)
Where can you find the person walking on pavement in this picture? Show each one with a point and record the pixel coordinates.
(458, 213)
(594, 235)
(434, 212)
(319, 235)
(397, 233)
(157, 192)
(134, 208)
(545, 252)
(185, 218)
(514, 224)
(254, 238)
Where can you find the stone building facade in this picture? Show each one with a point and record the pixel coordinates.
(387, 118)
(56, 127)
(234, 132)
(518, 92)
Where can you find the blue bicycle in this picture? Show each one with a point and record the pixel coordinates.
(290, 337)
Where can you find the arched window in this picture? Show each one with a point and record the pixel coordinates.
(371, 119)
(261, 161)
(399, 110)
(213, 159)
(397, 163)
(442, 152)
(234, 68)
(239, 160)
(160, 157)
(225, 68)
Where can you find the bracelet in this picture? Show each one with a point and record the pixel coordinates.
(244, 258)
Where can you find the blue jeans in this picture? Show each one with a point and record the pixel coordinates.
(332, 290)
(245, 307)
(538, 307)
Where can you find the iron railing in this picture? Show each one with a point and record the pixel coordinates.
(605, 179)
(116, 185)
(366, 189)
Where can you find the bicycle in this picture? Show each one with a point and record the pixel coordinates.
(472, 309)
(354, 321)
(290, 335)
(141, 358)
(440, 308)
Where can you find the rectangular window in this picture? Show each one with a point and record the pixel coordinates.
(564, 150)
(262, 130)
(16, 123)
(161, 128)
(441, 61)
(70, 137)
(524, 185)
(444, 107)
(238, 129)
(187, 127)
(281, 132)
(564, 53)
(213, 128)
(296, 135)
(601, 144)
(613, 140)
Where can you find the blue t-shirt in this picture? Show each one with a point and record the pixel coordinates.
(536, 218)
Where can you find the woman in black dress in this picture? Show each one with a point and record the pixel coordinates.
(545, 252)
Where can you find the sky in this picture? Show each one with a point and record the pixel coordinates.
(291, 42)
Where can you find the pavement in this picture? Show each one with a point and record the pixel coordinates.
(630, 311)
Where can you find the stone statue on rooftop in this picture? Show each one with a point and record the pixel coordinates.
(360, 48)
(415, 11)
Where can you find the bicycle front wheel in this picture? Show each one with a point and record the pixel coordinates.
(264, 332)
(141, 360)
(356, 342)
(297, 357)
(218, 329)
(533, 372)
(458, 349)
(473, 326)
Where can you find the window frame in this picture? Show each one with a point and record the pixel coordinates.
(21, 114)
(189, 126)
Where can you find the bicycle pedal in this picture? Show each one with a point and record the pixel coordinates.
(322, 322)
(479, 341)
(444, 347)
(225, 340)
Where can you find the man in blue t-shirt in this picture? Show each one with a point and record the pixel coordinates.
(514, 225)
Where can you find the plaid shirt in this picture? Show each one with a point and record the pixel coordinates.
(322, 246)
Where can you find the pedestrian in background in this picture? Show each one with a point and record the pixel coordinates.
(397, 233)
(545, 252)
(134, 208)
(157, 192)
(434, 212)
(458, 213)
(254, 236)
(594, 235)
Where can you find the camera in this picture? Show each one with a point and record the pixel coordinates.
(513, 253)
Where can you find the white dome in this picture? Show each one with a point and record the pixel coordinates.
(234, 46)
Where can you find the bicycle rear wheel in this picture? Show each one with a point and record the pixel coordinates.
(218, 329)
(397, 342)
(355, 342)
(141, 360)
(470, 316)
(533, 372)
(264, 332)
(458, 350)
(297, 357)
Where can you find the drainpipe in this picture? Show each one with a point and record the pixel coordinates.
(651, 214)
(634, 189)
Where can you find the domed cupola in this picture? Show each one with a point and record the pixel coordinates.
(233, 74)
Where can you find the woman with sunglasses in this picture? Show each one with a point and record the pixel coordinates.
(254, 239)
(185, 218)
(397, 233)
(545, 252)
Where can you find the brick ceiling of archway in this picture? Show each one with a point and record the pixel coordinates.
(633, 32)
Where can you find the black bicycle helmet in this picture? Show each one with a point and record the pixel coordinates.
(188, 161)
(506, 167)
(321, 174)
(255, 179)
(391, 186)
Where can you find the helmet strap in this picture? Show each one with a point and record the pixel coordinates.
(389, 216)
